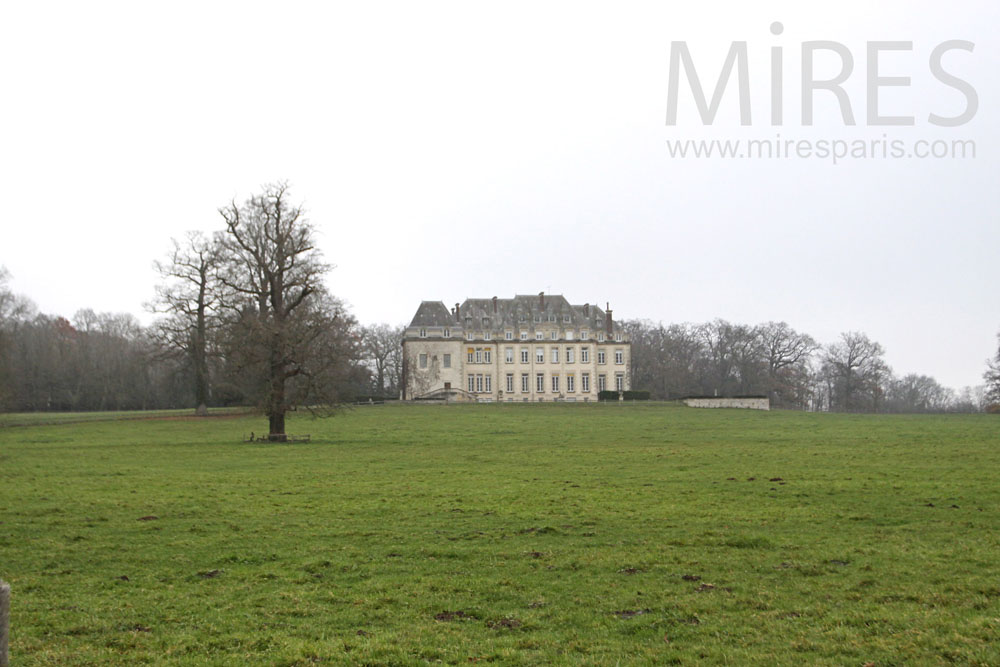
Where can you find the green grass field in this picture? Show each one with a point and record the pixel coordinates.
(518, 534)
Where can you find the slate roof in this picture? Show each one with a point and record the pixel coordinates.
(520, 312)
(432, 314)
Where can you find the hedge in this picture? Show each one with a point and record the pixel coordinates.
(609, 395)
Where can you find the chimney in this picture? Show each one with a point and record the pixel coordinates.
(541, 300)
(607, 320)
(494, 305)
(586, 310)
(457, 318)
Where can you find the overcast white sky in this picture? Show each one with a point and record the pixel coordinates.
(452, 150)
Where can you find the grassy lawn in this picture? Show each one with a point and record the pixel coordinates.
(519, 534)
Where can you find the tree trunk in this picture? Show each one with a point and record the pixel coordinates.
(201, 390)
(277, 428)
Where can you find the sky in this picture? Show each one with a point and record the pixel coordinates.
(446, 150)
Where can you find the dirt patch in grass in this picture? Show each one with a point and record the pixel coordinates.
(210, 574)
(148, 517)
(630, 613)
(690, 577)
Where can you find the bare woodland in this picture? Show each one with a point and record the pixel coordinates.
(244, 317)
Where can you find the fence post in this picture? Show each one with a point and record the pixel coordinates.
(4, 623)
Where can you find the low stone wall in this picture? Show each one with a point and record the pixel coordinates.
(749, 403)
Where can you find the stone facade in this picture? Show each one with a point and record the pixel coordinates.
(525, 349)
(746, 402)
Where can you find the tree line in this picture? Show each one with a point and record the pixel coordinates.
(720, 358)
(244, 318)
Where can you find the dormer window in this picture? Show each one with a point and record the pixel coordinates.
(566, 319)
(447, 333)
(486, 322)
(618, 337)
(469, 336)
(423, 333)
(508, 335)
(584, 335)
(555, 335)
(600, 337)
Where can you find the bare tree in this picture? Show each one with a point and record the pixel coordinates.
(273, 275)
(189, 296)
(786, 353)
(992, 378)
(917, 393)
(382, 346)
(14, 311)
(854, 370)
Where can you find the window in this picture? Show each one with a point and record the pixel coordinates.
(488, 356)
(570, 355)
(569, 334)
(479, 355)
(584, 355)
(540, 382)
(555, 384)
(524, 355)
(488, 383)
(447, 333)
(584, 335)
(618, 337)
(423, 333)
(585, 383)
(471, 355)
(508, 335)
(479, 384)
(566, 319)
(619, 382)
(486, 322)
(600, 357)
(524, 335)
(552, 318)
(488, 335)
(524, 383)
(555, 335)
(446, 361)
(510, 383)
(602, 381)
(508, 355)
(555, 355)
(619, 356)
(468, 336)
(472, 384)
(570, 383)
(423, 361)
(539, 335)
(539, 355)
(600, 337)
